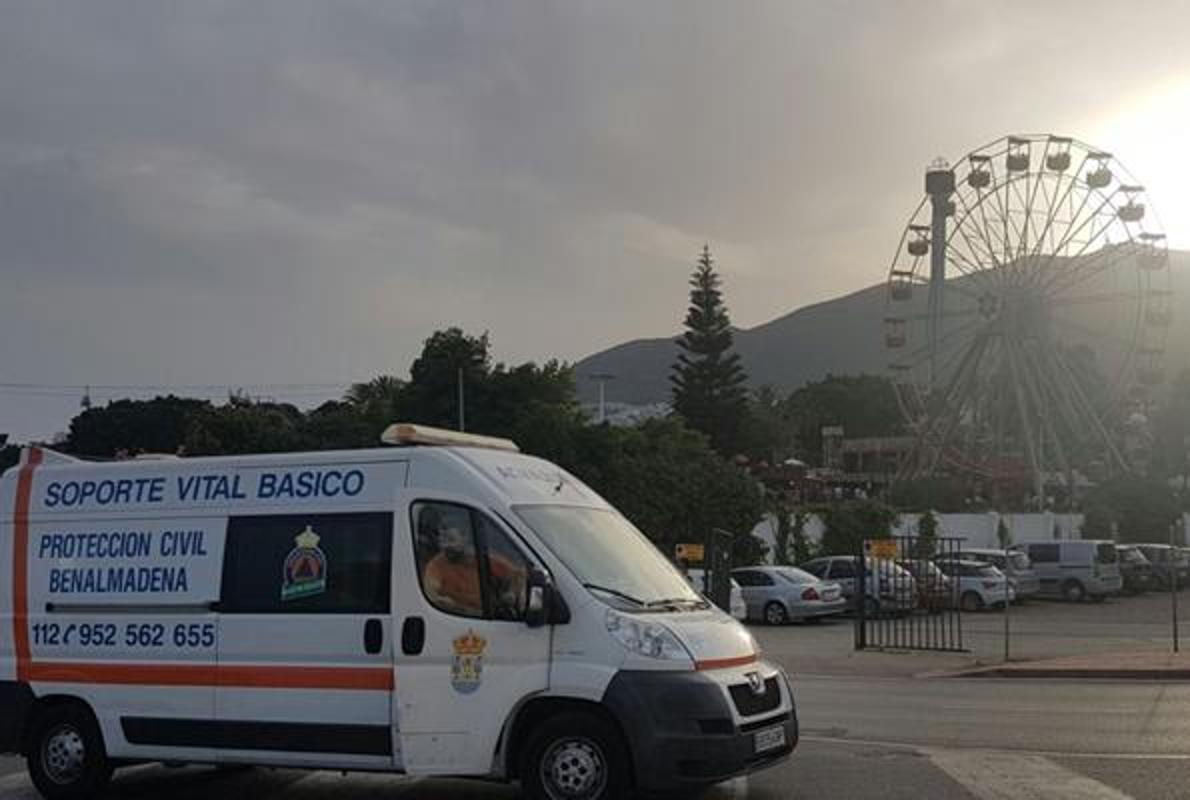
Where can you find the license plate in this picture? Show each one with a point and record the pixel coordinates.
(769, 738)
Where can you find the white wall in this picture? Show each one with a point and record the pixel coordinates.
(978, 530)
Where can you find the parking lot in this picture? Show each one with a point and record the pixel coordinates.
(1038, 629)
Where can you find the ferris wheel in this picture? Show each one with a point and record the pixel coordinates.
(1026, 315)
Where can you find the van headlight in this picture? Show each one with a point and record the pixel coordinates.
(648, 639)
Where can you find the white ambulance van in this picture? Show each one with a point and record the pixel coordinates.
(445, 607)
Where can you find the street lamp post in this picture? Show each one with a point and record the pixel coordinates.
(602, 378)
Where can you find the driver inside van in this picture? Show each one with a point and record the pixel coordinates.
(452, 576)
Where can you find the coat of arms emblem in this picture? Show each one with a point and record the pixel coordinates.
(466, 671)
(305, 568)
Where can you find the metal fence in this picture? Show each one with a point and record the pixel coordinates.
(903, 601)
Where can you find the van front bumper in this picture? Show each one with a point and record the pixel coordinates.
(683, 733)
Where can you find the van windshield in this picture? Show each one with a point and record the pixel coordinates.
(608, 554)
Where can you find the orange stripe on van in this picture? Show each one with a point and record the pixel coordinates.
(20, 563)
(725, 663)
(231, 676)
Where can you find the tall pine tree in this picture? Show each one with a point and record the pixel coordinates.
(708, 379)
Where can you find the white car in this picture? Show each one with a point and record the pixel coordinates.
(980, 585)
(699, 580)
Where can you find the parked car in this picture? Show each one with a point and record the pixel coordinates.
(1135, 569)
(889, 588)
(1076, 569)
(1167, 563)
(698, 579)
(779, 594)
(935, 590)
(1013, 563)
(981, 585)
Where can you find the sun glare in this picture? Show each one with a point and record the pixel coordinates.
(1151, 138)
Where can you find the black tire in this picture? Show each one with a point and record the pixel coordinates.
(575, 756)
(1074, 591)
(775, 613)
(66, 758)
(971, 601)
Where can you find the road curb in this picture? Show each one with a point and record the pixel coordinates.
(1069, 673)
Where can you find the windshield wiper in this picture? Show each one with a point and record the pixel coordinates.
(677, 601)
(616, 593)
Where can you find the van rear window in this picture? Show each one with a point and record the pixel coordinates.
(1106, 554)
(307, 564)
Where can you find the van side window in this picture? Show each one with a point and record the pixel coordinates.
(307, 564)
(505, 572)
(842, 569)
(1044, 553)
(466, 565)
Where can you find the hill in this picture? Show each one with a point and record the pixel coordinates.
(841, 336)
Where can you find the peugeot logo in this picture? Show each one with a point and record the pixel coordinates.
(755, 683)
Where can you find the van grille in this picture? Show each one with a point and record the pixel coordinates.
(749, 704)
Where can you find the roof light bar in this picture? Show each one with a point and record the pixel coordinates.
(405, 434)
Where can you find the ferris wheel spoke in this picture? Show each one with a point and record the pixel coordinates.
(1046, 276)
(1089, 412)
(951, 404)
(965, 314)
(1123, 346)
(1040, 388)
(1087, 267)
(1025, 419)
(962, 262)
(948, 339)
(1055, 203)
(989, 248)
(1095, 299)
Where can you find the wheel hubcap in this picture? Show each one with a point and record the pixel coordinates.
(774, 614)
(63, 755)
(574, 768)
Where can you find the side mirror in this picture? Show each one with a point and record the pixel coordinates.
(543, 604)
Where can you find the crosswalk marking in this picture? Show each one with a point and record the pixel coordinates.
(997, 775)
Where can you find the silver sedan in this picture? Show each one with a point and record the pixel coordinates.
(779, 595)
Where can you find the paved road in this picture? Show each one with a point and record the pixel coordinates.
(871, 730)
(865, 737)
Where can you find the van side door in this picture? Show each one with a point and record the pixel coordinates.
(465, 656)
(305, 641)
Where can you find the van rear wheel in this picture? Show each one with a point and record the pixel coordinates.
(66, 756)
(1074, 591)
(575, 756)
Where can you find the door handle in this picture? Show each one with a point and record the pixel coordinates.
(413, 636)
(373, 636)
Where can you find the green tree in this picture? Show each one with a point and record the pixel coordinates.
(671, 484)
(708, 379)
(10, 456)
(244, 426)
(381, 400)
(1139, 509)
(433, 390)
(850, 522)
(1171, 451)
(1004, 536)
(767, 434)
(927, 535)
(865, 405)
(156, 426)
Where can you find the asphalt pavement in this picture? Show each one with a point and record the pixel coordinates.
(872, 727)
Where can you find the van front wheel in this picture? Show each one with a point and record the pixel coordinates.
(1074, 591)
(575, 756)
(66, 757)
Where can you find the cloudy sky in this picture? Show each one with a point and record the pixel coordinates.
(289, 196)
